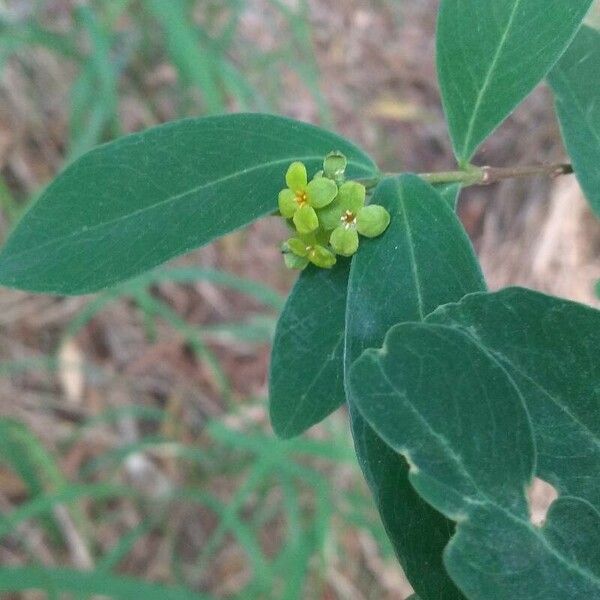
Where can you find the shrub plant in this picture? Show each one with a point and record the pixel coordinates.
(457, 397)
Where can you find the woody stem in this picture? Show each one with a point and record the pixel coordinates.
(486, 175)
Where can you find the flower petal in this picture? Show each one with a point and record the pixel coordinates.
(344, 241)
(296, 177)
(287, 203)
(352, 196)
(297, 247)
(330, 216)
(321, 192)
(295, 262)
(305, 219)
(321, 236)
(321, 257)
(372, 220)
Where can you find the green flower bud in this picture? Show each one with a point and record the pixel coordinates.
(344, 240)
(334, 166)
(372, 220)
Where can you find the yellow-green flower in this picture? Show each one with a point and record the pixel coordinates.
(304, 248)
(348, 216)
(300, 199)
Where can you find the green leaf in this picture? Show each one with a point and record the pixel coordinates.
(452, 410)
(307, 373)
(134, 203)
(491, 54)
(423, 259)
(574, 81)
(550, 348)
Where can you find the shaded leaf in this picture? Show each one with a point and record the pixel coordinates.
(574, 81)
(424, 259)
(491, 54)
(306, 381)
(136, 202)
(550, 348)
(451, 409)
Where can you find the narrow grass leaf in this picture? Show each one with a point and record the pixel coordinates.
(93, 583)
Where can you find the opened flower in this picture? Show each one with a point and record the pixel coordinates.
(348, 216)
(304, 248)
(300, 199)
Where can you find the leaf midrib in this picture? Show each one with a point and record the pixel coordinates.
(488, 79)
(300, 405)
(150, 207)
(411, 250)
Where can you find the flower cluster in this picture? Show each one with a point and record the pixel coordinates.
(327, 214)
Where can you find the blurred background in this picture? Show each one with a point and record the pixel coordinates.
(134, 436)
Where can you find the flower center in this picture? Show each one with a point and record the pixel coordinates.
(301, 199)
(348, 219)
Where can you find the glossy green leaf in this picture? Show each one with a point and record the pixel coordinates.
(307, 373)
(424, 259)
(452, 410)
(492, 54)
(574, 81)
(134, 203)
(551, 349)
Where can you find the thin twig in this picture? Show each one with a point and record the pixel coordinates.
(483, 175)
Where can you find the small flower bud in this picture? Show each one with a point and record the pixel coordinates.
(334, 166)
